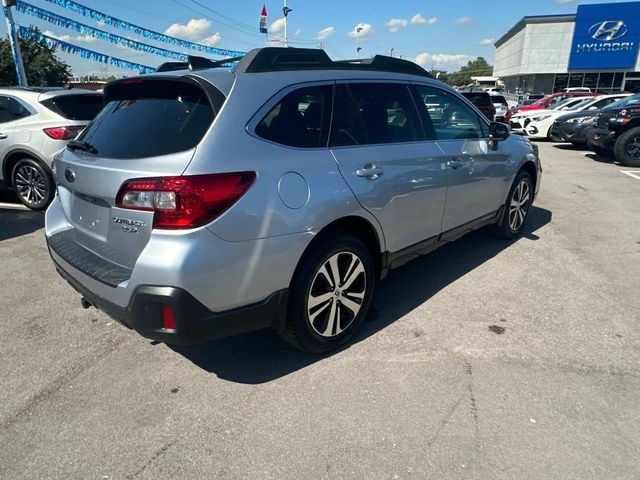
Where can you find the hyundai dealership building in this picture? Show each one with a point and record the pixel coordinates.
(596, 48)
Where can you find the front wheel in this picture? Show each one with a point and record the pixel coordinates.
(330, 294)
(32, 183)
(627, 148)
(516, 209)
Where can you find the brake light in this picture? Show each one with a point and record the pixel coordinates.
(185, 202)
(63, 133)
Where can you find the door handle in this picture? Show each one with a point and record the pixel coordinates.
(370, 171)
(3, 136)
(455, 163)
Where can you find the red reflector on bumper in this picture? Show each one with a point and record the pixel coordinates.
(168, 320)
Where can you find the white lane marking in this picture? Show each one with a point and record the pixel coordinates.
(13, 206)
(635, 174)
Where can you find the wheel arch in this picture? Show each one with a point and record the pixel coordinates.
(357, 226)
(13, 157)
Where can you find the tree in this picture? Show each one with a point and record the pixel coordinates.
(42, 66)
(475, 68)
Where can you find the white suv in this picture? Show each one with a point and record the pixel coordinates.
(35, 123)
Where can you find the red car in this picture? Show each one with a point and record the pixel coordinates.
(546, 102)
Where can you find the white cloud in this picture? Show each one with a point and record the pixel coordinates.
(395, 24)
(298, 32)
(277, 26)
(325, 33)
(488, 41)
(464, 21)
(366, 30)
(440, 59)
(418, 19)
(212, 40)
(564, 1)
(71, 38)
(194, 30)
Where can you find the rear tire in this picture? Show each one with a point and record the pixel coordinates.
(627, 148)
(32, 183)
(516, 208)
(323, 313)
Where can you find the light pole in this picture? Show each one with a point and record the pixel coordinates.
(286, 10)
(358, 30)
(13, 39)
(391, 52)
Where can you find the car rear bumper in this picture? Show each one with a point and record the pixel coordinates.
(194, 322)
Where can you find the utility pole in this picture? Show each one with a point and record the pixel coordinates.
(358, 30)
(13, 39)
(391, 52)
(286, 10)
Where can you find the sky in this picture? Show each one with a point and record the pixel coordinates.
(442, 34)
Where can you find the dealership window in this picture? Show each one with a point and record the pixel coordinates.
(562, 80)
(591, 81)
(606, 80)
(575, 80)
(617, 81)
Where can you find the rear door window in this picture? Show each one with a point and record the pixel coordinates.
(479, 98)
(301, 119)
(11, 110)
(75, 107)
(388, 112)
(148, 118)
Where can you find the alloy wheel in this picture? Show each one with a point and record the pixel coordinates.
(633, 149)
(31, 185)
(336, 294)
(519, 205)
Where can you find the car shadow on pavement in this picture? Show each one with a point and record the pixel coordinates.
(262, 356)
(15, 223)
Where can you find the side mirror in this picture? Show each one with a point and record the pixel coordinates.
(499, 131)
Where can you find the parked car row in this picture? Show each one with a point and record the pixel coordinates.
(607, 124)
(35, 123)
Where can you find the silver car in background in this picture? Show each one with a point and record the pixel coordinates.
(205, 201)
(35, 123)
(501, 104)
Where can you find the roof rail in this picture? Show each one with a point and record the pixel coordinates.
(196, 63)
(277, 59)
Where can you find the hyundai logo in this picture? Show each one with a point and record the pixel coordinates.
(70, 175)
(608, 30)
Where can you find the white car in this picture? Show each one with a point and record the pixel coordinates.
(502, 107)
(520, 121)
(35, 123)
(538, 125)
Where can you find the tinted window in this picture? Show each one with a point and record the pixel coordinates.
(150, 118)
(451, 118)
(498, 99)
(602, 103)
(75, 107)
(479, 98)
(301, 119)
(11, 110)
(388, 112)
(348, 128)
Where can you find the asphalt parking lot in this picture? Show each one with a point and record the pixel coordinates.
(484, 359)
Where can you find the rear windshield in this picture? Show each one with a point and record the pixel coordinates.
(480, 98)
(148, 118)
(75, 107)
(625, 102)
(498, 99)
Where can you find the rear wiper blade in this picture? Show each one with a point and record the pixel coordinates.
(82, 145)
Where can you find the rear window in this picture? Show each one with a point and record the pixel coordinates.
(479, 98)
(149, 118)
(498, 99)
(75, 107)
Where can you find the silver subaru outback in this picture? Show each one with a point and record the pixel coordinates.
(206, 201)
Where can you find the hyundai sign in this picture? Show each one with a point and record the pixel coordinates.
(606, 36)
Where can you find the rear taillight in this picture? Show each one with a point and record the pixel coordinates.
(185, 202)
(505, 104)
(63, 133)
